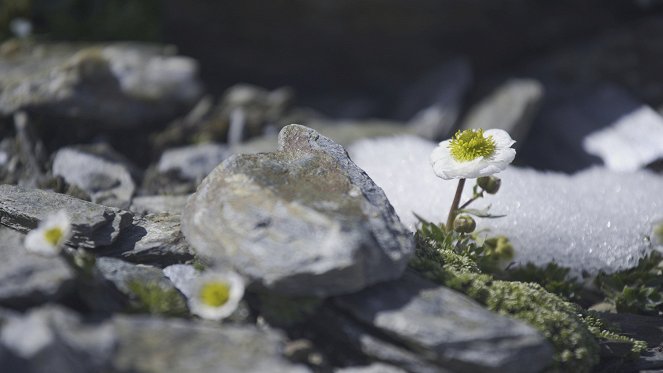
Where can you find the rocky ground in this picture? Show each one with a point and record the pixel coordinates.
(124, 138)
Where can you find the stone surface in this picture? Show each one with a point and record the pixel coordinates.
(433, 103)
(97, 170)
(595, 220)
(578, 119)
(107, 85)
(53, 339)
(630, 143)
(192, 162)
(153, 239)
(163, 346)
(123, 274)
(372, 368)
(511, 107)
(447, 327)
(93, 225)
(143, 205)
(301, 221)
(27, 279)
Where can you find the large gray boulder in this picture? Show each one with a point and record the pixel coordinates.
(28, 279)
(304, 220)
(442, 327)
(94, 226)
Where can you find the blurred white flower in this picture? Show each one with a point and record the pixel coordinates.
(473, 153)
(216, 295)
(51, 234)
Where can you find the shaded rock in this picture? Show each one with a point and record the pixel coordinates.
(154, 239)
(143, 205)
(53, 339)
(511, 107)
(433, 103)
(153, 345)
(28, 279)
(342, 132)
(447, 328)
(304, 220)
(192, 162)
(97, 170)
(631, 142)
(93, 225)
(118, 85)
(373, 368)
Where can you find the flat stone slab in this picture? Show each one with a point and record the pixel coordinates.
(143, 205)
(448, 327)
(93, 225)
(304, 220)
(151, 345)
(27, 279)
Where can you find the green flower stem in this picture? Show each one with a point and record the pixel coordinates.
(454, 206)
(470, 201)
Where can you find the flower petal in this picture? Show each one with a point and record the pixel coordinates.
(501, 138)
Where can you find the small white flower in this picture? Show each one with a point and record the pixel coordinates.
(47, 239)
(216, 295)
(472, 154)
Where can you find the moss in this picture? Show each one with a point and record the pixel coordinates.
(154, 299)
(573, 332)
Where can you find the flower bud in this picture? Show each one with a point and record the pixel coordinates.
(464, 224)
(490, 184)
(500, 247)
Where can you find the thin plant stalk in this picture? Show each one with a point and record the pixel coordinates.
(454, 206)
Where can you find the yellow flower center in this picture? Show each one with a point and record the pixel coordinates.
(471, 144)
(54, 235)
(215, 294)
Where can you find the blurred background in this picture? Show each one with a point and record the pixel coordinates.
(568, 79)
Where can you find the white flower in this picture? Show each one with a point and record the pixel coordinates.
(216, 295)
(472, 154)
(47, 239)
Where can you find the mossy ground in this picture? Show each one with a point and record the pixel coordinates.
(573, 331)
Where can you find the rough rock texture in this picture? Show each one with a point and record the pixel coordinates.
(511, 107)
(144, 205)
(163, 346)
(304, 220)
(113, 86)
(98, 172)
(94, 226)
(53, 339)
(447, 327)
(373, 368)
(192, 162)
(28, 279)
(154, 239)
(123, 274)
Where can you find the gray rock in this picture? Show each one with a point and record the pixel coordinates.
(342, 132)
(433, 103)
(122, 274)
(53, 339)
(143, 205)
(631, 142)
(447, 328)
(94, 226)
(150, 345)
(192, 162)
(155, 239)
(373, 368)
(510, 107)
(28, 279)
(98, 172)
(109, 85)
(301, 221)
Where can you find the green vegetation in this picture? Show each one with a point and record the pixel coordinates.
(154, 299)
(466, 264)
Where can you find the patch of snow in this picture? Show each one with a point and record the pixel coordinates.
(594, 220)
